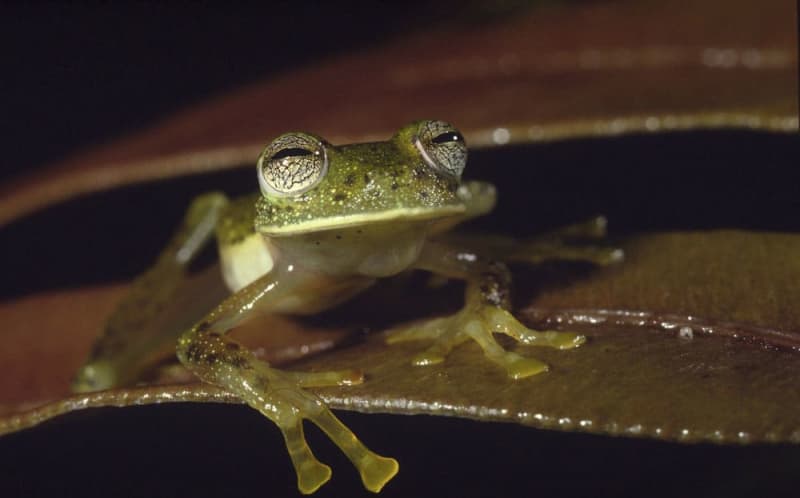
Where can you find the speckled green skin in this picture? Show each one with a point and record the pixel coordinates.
(364, 179)
(380, 209)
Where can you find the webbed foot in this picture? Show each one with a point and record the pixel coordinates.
(281, 397)
(287, 404)
(478, 323)
(552, 246)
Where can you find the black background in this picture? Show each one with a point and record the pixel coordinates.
(78, 75)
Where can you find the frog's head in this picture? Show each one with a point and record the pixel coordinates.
(309, 185)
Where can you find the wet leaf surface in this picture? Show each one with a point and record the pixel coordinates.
(680, 373)
(735, 290)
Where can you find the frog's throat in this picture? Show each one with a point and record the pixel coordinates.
(360, 219)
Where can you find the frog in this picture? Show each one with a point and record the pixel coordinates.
(326, 224)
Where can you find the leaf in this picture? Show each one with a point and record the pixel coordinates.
(567, 71)
(731, 378)
(641, 374)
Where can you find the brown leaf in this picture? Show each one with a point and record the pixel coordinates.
(680, 375)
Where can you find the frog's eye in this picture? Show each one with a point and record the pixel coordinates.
(292, 164)
(442, 147)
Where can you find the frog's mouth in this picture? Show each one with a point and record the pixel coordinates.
(337, 222)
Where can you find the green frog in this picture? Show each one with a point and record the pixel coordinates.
(328, 222)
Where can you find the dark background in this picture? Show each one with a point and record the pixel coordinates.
(77, 76)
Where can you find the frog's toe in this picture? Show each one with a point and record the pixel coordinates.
(311, 473)
(519, 367)
(605, 256)
(503, 321)
(349, 377)
(593, 228)
(418, 331)
(549, 338)
(452, 336)
(97, 375)
(431, 356)
(445, 333)
(554, 339)
(312, 476)
(376, 471)
(601, 256)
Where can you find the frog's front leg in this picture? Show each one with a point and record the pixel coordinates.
(134, 338)
(219, 360)
(486, 311)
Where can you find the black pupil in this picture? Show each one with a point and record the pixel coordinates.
(291, 152)
(450, 136)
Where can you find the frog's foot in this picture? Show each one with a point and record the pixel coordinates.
(287, 404)
(593, 228)
(479, 323)
(552, 246)
(537, 253)
(349, 377)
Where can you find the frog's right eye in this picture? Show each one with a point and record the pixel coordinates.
(292, 164)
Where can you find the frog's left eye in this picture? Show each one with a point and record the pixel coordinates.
(292, 164)
(442, 147)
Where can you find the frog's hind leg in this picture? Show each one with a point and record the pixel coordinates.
(555, 245)
(486, 311)
(137, 334)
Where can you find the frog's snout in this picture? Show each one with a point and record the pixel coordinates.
(95, 376)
